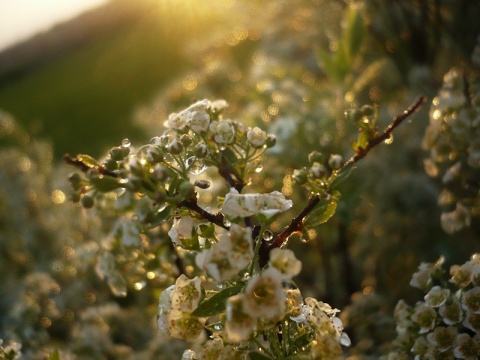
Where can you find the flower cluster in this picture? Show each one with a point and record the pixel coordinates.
(243, 293)
(452, 139)
(446, 325)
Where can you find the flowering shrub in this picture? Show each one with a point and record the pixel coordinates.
(454, 146)
(235, 282)
(446, 324)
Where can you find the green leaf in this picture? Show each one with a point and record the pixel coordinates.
(217, 303)
(322, 212)
(161, 216)
(54, 356)
(255, 355)
(353, 33)
(88, 160)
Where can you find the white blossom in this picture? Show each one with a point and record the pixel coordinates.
(257, 137)
(243, 205)
(264, 295)
(182, 230)
(285, 262)
(239, 324)
(199, 121)
(223, 131)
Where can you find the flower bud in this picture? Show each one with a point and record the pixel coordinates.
(133, 183)
(300, 176)
(186, 190)
(186, 140)
(366, 110)
(335, 161)
(135, 166)
(270, 141)
(160, 173)
(76, 180)
(119, 152)
(75, 197)
(202, 184)
(175, 147)
(201, 151)
(110, 164)
(155, 154)
(315, 157)
(318, 171)
(353, 115)
(87, 201)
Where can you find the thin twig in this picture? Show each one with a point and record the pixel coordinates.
(295, 225)
(84, 167)
(216, 219)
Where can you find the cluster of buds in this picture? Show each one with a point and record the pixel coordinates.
(237, 297)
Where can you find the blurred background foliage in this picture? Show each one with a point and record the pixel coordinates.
(290, 68)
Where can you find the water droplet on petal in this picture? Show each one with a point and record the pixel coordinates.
(195, 166)
(259, 168)
(218, 326)
(126, 143)
(226, 222)
(267, 236)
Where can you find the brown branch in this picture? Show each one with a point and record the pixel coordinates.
(397, 120)
(295, 225)
(216, 219)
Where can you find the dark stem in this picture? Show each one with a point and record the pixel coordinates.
(84, 167)
(216, 219)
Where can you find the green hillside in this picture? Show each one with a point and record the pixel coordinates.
(84, 97)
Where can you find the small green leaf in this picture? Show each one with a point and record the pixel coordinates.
(54, 356)
(321, 213)
(255, 355)
(89, 161)
(161, 216)
(217, 303)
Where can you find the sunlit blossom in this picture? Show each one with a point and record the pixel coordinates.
(264, 295)
(243, 205)
(257, 137)
(284, 260)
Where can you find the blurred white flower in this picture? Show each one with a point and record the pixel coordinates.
(285, 262)
(243, 205)
(264, 295)
(239, 324)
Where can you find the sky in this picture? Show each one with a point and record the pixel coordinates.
(21, 19)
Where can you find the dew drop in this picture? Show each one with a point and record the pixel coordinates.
(195, 166)
(259, 168)
(389, 140)
(226, 222)
(222, 147)
(126, 143)
(303, 239)
(267, 236)
(218, 327)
